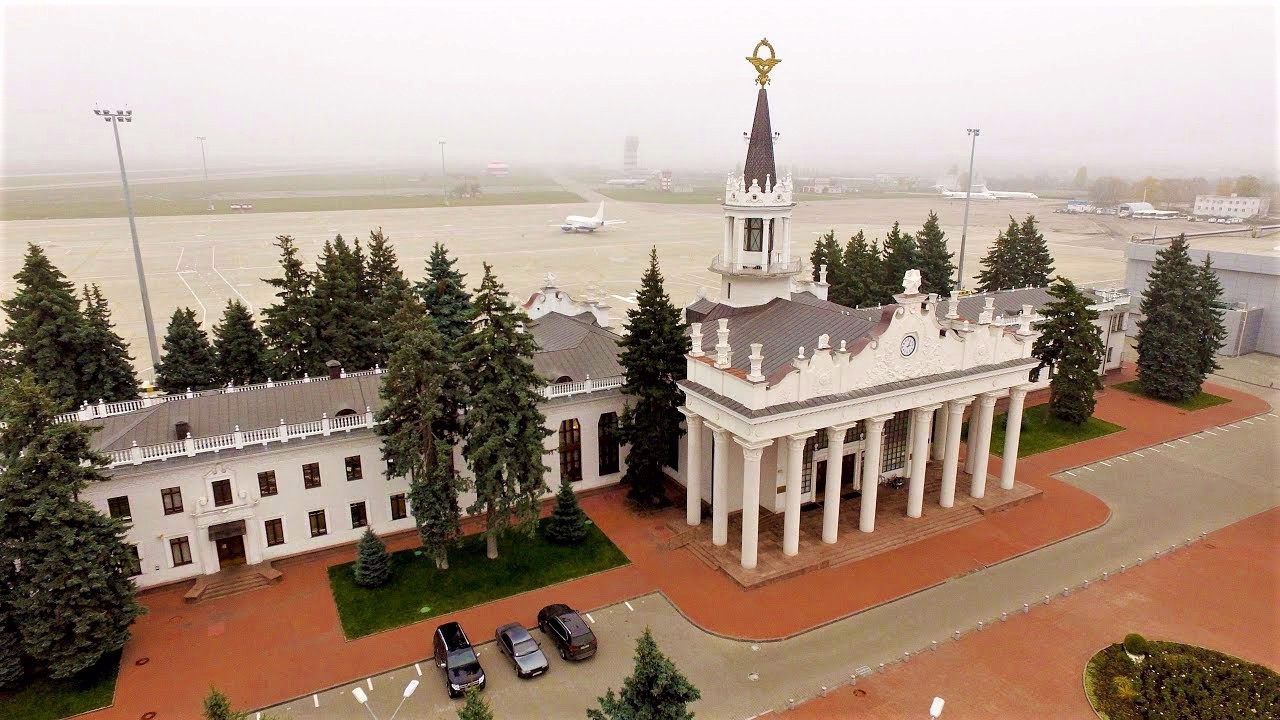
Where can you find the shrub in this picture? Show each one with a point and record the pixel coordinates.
(1125, 689)
(568, 524)
(1135, 644)
(373, 564)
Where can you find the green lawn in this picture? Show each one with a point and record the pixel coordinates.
(1200, 401)
(418, 591)
(53, 699)
(1040, 432)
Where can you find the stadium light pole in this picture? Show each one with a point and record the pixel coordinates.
(204, 165)
(444, 176)
(968, 193)
(115, 117)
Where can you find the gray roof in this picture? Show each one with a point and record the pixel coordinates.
(1008, 302)
(759, 165)
(574, 347)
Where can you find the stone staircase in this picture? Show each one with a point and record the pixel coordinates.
(232, 581)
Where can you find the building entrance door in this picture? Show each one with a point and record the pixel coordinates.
(850, 472)
(230, 551)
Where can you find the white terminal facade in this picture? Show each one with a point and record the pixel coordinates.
(787, 395)
(1231, 206)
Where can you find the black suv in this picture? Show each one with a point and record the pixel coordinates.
(454, 653)
(566, 628)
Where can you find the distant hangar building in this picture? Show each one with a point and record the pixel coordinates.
(1231, 206)
(498, 168)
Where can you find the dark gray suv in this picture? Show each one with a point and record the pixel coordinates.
(453, 653)
(565, 627)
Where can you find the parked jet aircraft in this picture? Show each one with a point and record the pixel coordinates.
(980, 192)
(578, 223)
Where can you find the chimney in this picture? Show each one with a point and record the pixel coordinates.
(757, 359)
(988, 311)
(695, 338)
(953, 306)
(1024, 321)
(335, 369)
(181, 430)
(822, 273)
(723, 353)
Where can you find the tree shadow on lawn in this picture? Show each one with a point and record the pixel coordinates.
(45, 699)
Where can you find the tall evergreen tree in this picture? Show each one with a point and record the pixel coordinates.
(11, 657)
(475, 708)
(44, 328)
(825, 252)
(289, 325)
(653, 352)
(239, 349)
(1171, 337)
(388, 289)
(72, 600)
(1032, 259)
(504, 426)
(936, 268)
(900, 255)
(188, 362)
(1208, 316)
(861, 273)
(446, 298)
(1071, 347)
(105, 366)
(343, 323)
(373, 564)
(656, 689)
(999, 265)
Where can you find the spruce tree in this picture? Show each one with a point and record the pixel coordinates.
(388, 289)
(1171, 340)
(373, 562)
(653, 352)
(342, 312)
(446, 298)
(900, 255)
(1210, 329)
(656, 689)
(1070, 345)
(936, 268)
(289, 325)
(105, 366)
(239, 349)
(70, 595)
(217, 706)
(44, 327)
(434, 499)
(11, 658)
(839, 278)
(825, 252)
(999, 265)
(504, 427)
(188, 362)
(568, 524)
(475, 708)
(1033, 262)
(860, 274)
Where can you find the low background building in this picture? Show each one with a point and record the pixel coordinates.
(1231, 206)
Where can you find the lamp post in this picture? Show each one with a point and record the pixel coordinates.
(204, 165)
(115, 117)
(444, 177)
(360, 696)
(968, 193)
(935, 710)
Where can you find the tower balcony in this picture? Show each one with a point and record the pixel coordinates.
(756, 264)
(738, 194)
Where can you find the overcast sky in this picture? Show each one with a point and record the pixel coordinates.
(862, 87)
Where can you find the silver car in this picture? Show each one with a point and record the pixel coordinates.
(525, 653)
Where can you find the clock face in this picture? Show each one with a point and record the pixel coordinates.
(908, 345)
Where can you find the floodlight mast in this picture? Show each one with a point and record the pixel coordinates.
(115, 117)
(204, 165)
(968, 195)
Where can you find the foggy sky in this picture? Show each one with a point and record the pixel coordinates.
(1127, 90)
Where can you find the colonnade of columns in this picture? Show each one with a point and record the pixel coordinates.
(942, 420)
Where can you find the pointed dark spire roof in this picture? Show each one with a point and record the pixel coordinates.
(760, 163)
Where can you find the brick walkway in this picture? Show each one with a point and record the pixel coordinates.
(284, 641)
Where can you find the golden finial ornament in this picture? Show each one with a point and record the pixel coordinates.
(763, 65)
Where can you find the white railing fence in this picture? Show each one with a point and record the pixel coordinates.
(566, 389)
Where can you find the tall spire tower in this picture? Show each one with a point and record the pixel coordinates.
(755, 262)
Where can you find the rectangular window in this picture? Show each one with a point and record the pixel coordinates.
(353, 468)
(399, 511)
(118, 507)
(318, 525)
(754, 241)
(571, 450)
(359, 518)
(180, 549)
(806, 466)
(134, 562)
(608, 442)
(820, 440)
(221, 493)
(855, 433)
(311, 475)
(267, 483)
(1110, 352)
(171, 498)
(894, 445)
(275, 532)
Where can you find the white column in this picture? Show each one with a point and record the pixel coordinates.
(693, 469)
(720, 487)
(791, 518)
(835, 463)
(940, 434)
(1012, 429)
(951, 460)
(871, 471)
(919, 458)
(751, 499)
(982, 450)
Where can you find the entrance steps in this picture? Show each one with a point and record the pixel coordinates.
(232, 582)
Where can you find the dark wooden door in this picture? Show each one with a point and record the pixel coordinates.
(231, 551)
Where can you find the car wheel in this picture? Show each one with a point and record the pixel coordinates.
(563, 655)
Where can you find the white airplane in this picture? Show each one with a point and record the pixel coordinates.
(579, 223)
(979, 192)
(627, 182)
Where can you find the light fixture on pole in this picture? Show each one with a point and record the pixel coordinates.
(115, 117)
(968, 192)
(204, 165)
(360, 696)
(444, 176)
(935, 710)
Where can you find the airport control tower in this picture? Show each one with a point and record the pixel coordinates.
(631, 155)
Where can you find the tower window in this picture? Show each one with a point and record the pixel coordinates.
(755, 235)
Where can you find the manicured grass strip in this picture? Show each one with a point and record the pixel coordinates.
(1041, 432)
(523, 564)
(1199, 402)
(54, 699)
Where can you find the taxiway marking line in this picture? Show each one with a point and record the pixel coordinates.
(181, 250)
(204, 311)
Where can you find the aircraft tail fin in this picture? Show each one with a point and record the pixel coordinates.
(600, 212)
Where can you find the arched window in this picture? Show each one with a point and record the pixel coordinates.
(571, 450)
(754, 240)
(608, 434)
(564, 379)
(344, 412)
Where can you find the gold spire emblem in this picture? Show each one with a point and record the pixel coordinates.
(763, 65)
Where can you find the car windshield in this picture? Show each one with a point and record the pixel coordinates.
(524, 647)
(582, 639)
(465, 656)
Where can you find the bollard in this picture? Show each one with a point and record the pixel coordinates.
(1003, 616)
(979, 625)
(824, 691)
(1066, 591)
(1026, 608)
(853, 679)
(1157, 554)
(1139, 562)
(1086, 585)
(1203, 535)
(1046, 599)
(881, 667)
(906, 655)
(1104, 574)
(1121, 567)
(933, 645)
(1189, 541)
(791, 703)
(957, 634)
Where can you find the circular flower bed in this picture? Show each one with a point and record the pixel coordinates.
(1172, 681)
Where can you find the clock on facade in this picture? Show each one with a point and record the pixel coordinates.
(908, 345)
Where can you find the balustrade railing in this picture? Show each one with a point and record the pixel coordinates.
(774, 266)
(579, 387)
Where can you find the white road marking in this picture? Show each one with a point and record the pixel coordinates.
(369, 682)
(1086, 467)
(233, 289)
(315, 699)
(1135, 452)
(1170, 445)
(1104, 462)
(204, 311)
(1247, 422)
(418, 667)
(1071, 473)
(1123, 458)
(628, 604)
(181, 250)
(1184, 440)
(593, 620)
(1236, 426)
(1210, 432)
(1271, 414)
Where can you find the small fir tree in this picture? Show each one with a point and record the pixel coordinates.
(446, 298)
(188, 362)
(568, 524)
(289, 325)
(1210, 329)
(825, 252)
(936, 268)
(653, 352)
(656, 689)
(504, 427)
(239, 349)
(475, 708)
(343, 323)
(1032, 259)
(44, 327)
(105, 366)
(900, 255)
(999, 265)
(373, 562)
(1171, 339)
(217, 706)
(388, 290)
(1070, 345)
